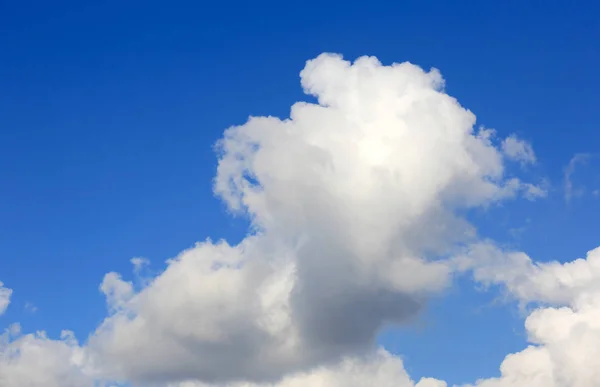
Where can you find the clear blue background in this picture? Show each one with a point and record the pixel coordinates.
(108, 111)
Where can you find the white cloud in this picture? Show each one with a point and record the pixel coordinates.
(116, 291)
(518, 150)
(34, 360)
(354, 204)
(5, 294)
(349, 200)
(564, 327)
(380, 369)
(552, 282)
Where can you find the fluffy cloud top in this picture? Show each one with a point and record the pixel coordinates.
(34, 360)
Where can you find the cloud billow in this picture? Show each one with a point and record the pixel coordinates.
(355, 206)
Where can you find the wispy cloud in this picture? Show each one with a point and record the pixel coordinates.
(517, 232)
(578, 158)
(31, 308)
(139, 263)
(518, 150)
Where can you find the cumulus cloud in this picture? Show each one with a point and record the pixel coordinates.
(564, 327)
(34, 360)
(5, 294)
(551, 283)
(563, 331)
(352, 201)
(355, 206)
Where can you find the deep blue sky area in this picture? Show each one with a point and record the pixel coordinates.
(109, 110)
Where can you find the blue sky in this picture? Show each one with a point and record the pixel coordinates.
(109, 112)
